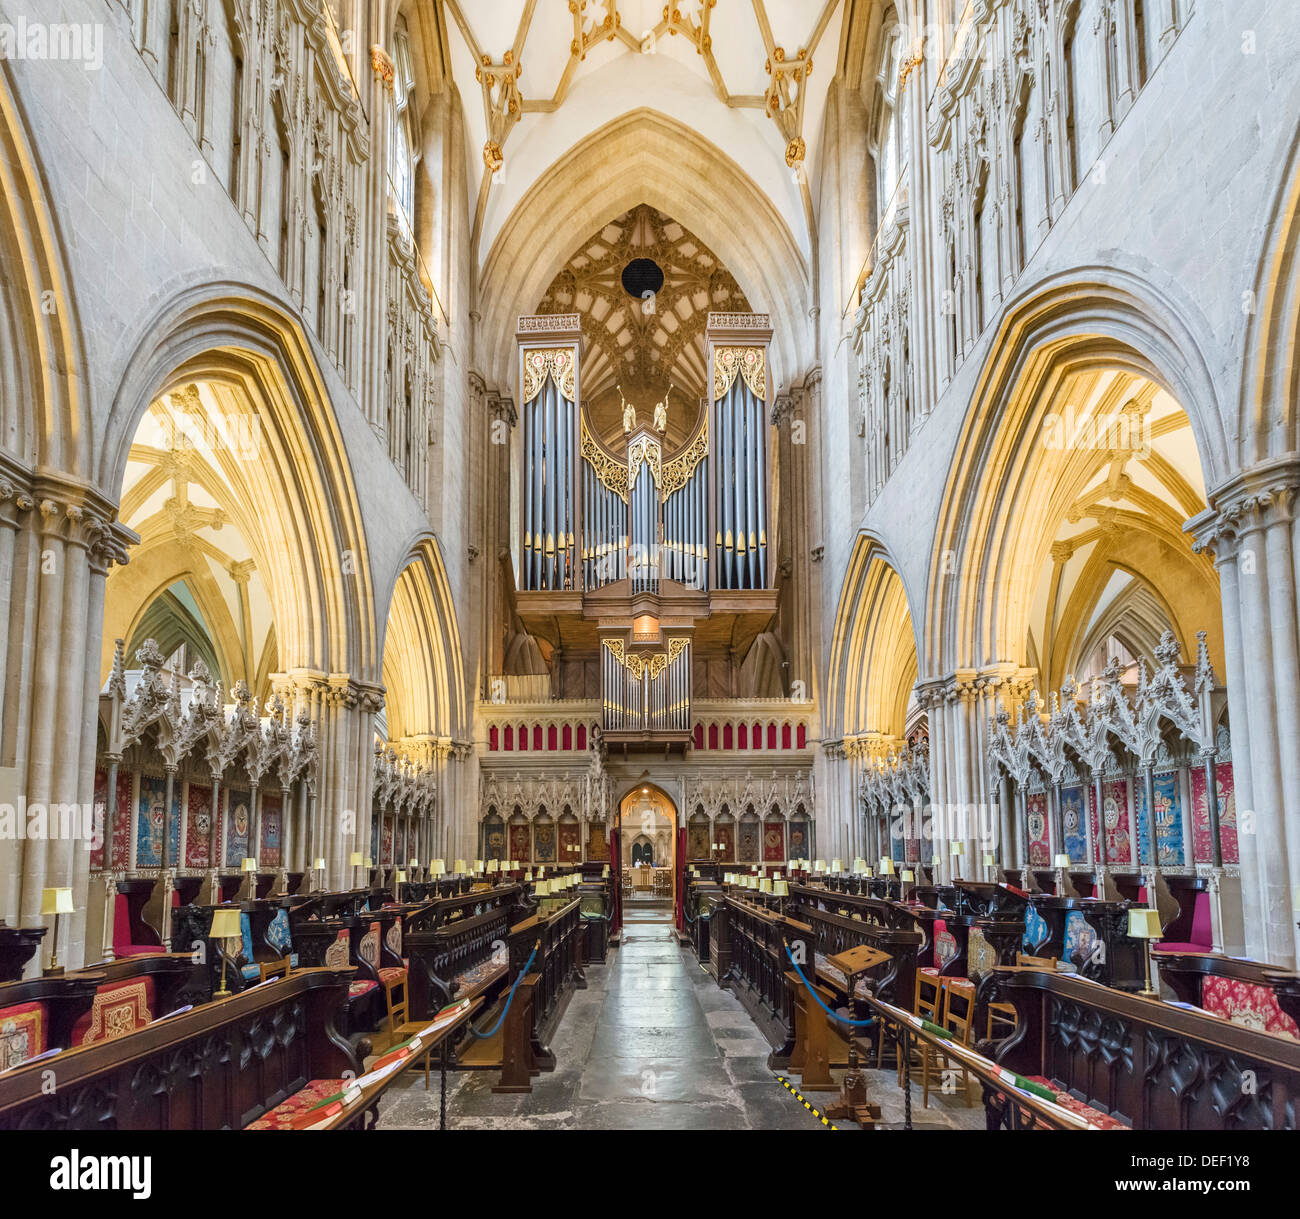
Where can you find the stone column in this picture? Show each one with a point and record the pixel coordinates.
(1250, 528)
(57, 541)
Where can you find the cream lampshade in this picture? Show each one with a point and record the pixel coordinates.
(438, 867)
(837, 865)
(859, 866)
(401, 876)
(1062, 861)
(319, 865)
(493, 866)
(56, 901)
(868, 873)
(461, 869)
(766, 885)
(249, 864)
(780, 888)
(369, 863)
(989, 861)
(957, 848)
(1144, 925)
(907, 876)
(478, 865)
(225, 926)
(528, 876)
(886, 867)
(604, 872)
(355, 859)
(819, 865)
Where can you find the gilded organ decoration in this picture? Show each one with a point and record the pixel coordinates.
(677, 472)
(557, 363)
(748, 362)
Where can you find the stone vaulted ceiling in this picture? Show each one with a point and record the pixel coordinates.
(644, 344)
(538, 75)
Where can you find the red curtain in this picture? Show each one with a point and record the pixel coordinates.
(679, 889)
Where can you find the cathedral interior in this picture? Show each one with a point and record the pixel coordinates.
(707, 565)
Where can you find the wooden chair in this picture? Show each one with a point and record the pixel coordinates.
(398, 1009)
(928, 1004)
(1028, 962)
(274, 969)
(957, 1015)
(1000, 1016)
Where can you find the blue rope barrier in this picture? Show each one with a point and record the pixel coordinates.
(511, 998)
(833, 1015)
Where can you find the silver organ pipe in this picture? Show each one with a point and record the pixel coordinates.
(740, 537)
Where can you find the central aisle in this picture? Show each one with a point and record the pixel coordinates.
(651, 1044)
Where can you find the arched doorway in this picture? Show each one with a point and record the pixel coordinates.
(648, 855)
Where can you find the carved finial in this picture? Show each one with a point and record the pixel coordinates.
(117, 678)
(150, 655)
(241, 693)
(1206, 678)
(200, 675)
(1168, 650)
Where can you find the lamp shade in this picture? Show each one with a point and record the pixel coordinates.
(989, 861)
(781, 888)
(819, 865)
(837, 865)
(514, 865)
(401, 876)
(605, 871)
(460, 866)
(369, 863)
(956, 848)
(907, 876)
(494, 865)
(354, 860)
(528, 876)
(766, 885)
(56, 901)
(1144, 923)
(1061, 861)
(319, 865)
(225, 923)
(886, 867)
(249, 864)
(478, 865)
(868, 873)
(412, 864)
(859, 866)
(439, 867)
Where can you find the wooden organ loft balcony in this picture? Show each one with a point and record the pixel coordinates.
(569, 626)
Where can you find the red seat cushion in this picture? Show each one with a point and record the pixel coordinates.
(391, 973)
(1096, 1117)
(357, 989)
(281, 1117)
(23, 1031)
(1247, 1003)
(119, 1008)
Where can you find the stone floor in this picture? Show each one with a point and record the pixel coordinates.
(652, 1044)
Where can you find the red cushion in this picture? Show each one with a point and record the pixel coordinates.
(357, 989)
(390, 973)
(1176, 946)
(1247, 1003)
(137, 950)
(23, 1033)
(1102, 1120)
(281, 1117)
(1202, 933)
(119, 1008)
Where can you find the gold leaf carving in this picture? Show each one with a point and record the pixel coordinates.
(612, 474)
(677, 473)
(557, 363)
(749, 362)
